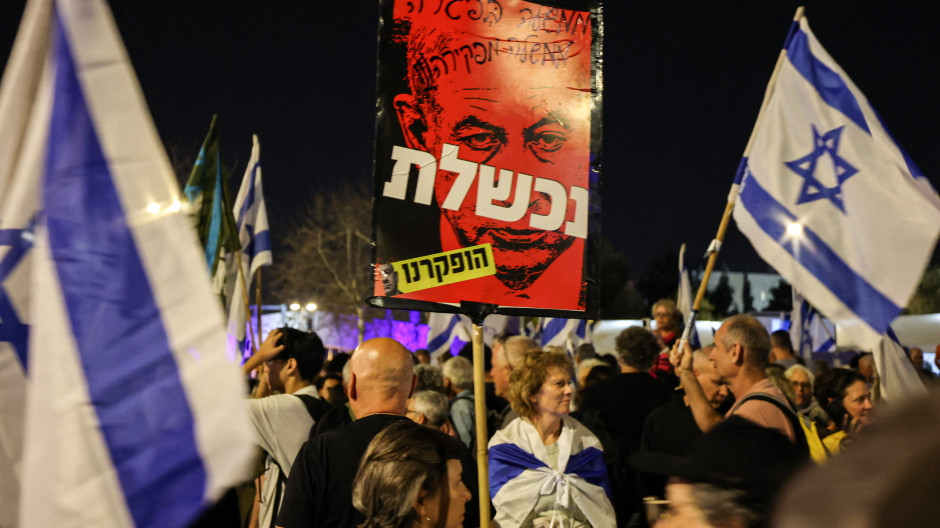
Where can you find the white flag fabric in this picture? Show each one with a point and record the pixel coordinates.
(898, 379)
(134, 414)
(810, 332)
(251, 217)
(443, 329)
(830, 201)
(684, 299)
(565, 333)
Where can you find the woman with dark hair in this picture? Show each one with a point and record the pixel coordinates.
(546, 469)
(845, 397)
(410, 477)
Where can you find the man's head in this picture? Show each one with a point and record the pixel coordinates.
(381, 377)
(801, 378)
(584, 351)
(298, 364)
(423, 356)
(716, 390)
(458, 375)
(389, 278)
(730, 478)
(741, 343)
(585, 367)
(429, 377)
(866, 366)
(917, 358)
(637, 348)
(524, 118)
(508, 357)
(429, 408)
(780, 345)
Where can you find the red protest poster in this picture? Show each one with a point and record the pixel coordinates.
(487, 143)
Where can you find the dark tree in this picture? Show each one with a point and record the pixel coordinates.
(661, 280)
(746, 296)
(781, 298)
(619, 298)
(722, 298)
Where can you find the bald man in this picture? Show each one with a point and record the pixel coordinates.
(319, 490)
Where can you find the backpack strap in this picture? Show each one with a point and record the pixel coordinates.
(787, 411)
(315, 406)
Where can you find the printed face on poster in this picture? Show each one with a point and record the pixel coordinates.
(486, 153)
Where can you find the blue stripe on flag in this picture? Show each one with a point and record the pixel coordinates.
(827, 83)
(441, 339)
(249, 198)
(819, 259)
(742, 170)
(132, 376)
(552, 328)
(261, 242)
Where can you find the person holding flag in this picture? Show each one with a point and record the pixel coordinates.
(132, 413)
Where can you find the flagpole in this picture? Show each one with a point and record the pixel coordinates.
(479, 393)
(241, 276)
(258, 302)
(715, 246)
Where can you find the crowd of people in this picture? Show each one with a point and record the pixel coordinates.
(653, 434)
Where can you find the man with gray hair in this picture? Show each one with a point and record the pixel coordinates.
(429, 408)
(740, 355)
(504, 359)
(458, 385)
(429, 378)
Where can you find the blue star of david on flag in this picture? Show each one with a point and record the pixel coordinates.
(805, 168)
(12, 329)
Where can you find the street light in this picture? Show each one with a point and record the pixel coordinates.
(294, 307)
(310, 307)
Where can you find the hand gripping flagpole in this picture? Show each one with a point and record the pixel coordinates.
(715, 246)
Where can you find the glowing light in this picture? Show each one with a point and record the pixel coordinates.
(310, 307)
(176, 206)
(295, 306)
(153, 208)
(794, 229)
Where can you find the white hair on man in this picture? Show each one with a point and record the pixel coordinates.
(809, 373)
(433, 405)
(459, 371)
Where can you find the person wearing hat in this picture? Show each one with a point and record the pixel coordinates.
(730, 478)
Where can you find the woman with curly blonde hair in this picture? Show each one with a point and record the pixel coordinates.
(410, 477)
(546, 469)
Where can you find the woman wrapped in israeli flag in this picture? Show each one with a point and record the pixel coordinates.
(546, 469)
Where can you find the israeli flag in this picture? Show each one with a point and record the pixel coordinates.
(251, 217)
(830, 201)
(520, 474)
(684, 299)
(899, 379)
(810, 332)
(565, 333)
(443, 331)
(133, 414)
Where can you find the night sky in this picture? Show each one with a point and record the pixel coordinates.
(683, 85)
